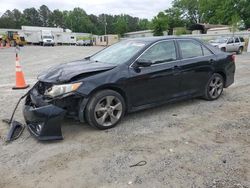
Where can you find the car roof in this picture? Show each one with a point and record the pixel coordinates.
(155, 39)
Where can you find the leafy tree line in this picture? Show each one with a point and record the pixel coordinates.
(183, 13)
(77, 20)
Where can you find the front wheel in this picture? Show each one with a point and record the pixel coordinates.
(214, 87)
(105, 109)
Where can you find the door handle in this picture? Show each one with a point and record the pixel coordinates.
(211, 61)
(176, 67)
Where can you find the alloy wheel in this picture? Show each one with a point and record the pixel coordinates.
(240, 51)
(215, 87)
(108, 111)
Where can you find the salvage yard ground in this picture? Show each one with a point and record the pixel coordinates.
(192, 143)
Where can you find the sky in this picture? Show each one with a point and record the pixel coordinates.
(139, 8)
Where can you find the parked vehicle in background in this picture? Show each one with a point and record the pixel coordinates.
(47, 39)
(88, 43)
(13, 38)
(128, 76)
(79, 43)
(84, 43)
(229, 44)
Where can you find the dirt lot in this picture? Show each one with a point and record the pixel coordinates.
(194, 143)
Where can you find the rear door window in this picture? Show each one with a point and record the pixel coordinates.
(190, 49)
(236, 40)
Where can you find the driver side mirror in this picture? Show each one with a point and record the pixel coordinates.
(143, 63)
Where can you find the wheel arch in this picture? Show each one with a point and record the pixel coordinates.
(223, 48)
(223, 75)
(114, 88)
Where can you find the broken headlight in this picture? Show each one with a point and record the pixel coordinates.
(57, 90)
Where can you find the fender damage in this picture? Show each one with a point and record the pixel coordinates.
(44, 115)
(43, 119)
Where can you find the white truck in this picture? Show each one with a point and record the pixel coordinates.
(47, 39)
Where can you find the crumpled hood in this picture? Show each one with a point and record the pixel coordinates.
(64, 72)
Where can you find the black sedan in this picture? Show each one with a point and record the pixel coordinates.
(128, 76)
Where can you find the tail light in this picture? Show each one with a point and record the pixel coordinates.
(233, 58)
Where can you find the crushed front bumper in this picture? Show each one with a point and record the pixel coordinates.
(43, 120)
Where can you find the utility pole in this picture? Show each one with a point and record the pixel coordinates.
(105, 25)
(105, 29)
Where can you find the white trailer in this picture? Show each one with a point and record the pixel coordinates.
(65, 38)
(35, 35)
(31, 37)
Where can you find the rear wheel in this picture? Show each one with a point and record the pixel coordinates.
(105, 109)
(214, 88)
(240, 50)
(223, 49)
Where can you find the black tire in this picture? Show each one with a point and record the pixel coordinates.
(99, 100)
(223, 49)
(240, 50)
(214, 87)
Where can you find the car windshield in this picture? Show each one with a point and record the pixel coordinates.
(119, 53)
(220, 40)
(47, 37)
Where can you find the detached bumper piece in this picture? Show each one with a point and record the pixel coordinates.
(16, 129)
(44, 122)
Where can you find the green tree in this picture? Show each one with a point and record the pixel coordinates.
(31, 17)
(174, 17)
(143, 24)
(214, 11)
(18, 18)
(190, 9)
(44, 15)
(7, 20)
(235, 23)
(160, 24)
(56, 18)
(243, 8)
(120, 25)
(78, 21)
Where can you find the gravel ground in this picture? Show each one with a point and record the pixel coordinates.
(192, 143)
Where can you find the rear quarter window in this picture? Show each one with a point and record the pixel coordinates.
(206, 51)
(242, 39)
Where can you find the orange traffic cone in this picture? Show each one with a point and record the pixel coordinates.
(20, 82)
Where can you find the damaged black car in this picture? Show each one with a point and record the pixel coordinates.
(131, 75)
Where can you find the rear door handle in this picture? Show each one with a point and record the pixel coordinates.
(212, 60)
(176, 67)
(176, 70)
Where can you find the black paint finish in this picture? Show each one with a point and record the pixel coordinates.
(142, 87)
